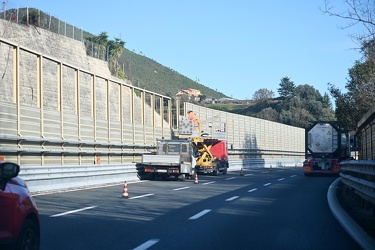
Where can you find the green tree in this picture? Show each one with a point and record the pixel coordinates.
(34, 17)
(306, 91)
(351, 106)
(346, 112)
(287, 88)
(326, 101)
(114, 51)
(269, 114)
(263, 94)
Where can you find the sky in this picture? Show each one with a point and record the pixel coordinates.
(236, 47)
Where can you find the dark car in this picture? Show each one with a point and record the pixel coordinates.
(19, 218)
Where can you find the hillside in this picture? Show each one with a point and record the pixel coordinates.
(146, 73)
(140, 70)
(299, 104)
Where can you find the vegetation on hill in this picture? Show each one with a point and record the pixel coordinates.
(151, 75)
(296, 106)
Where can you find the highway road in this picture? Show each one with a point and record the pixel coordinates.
(261, 209)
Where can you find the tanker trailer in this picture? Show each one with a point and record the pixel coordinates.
(326, 145)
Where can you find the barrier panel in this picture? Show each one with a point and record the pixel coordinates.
(360, 177)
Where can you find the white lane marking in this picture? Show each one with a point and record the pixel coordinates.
(252, 190)
(281, 179)
(141, 196)
(207, 183)
(73, 211)
(230, 178)
(267, 184)
(248, 174)
(264, 172)
(281, 170)
(147, 244)
(293, 175)
(181, 188)
(232, 198)
(200, 214)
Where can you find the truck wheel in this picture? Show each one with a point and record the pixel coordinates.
(225, 170)
(182, 177)
(215, 172)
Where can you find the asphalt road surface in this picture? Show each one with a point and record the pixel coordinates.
(261, 209)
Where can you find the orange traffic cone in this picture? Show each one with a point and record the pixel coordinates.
(196, 179)
(125, 193)
(241, 172)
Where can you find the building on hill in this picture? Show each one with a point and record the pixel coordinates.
(192, 94)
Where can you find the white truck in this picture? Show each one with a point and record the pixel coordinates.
(172, 158)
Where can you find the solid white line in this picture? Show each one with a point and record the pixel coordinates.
(230, 178)
(281, 179)
(200, 214)
(232, 198)
(293, 175)
(248, 174)
(252, 190)
(147, 244)
(176, 189)
(267, 184)
(141, 196)
(207, 183)
(73, 211)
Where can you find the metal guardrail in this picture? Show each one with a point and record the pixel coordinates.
(122, 149)
(45, 179)
(360, 176)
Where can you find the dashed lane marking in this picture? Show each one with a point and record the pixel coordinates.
(281, 179)
(248, 174)
(147, 244)
(181, 188)
(200, 214)
(252, 190)
(230, 178)
(293, 175)
(73, 211)
(232, 198)
(141, 196)
(267, 184)
(207, 183)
